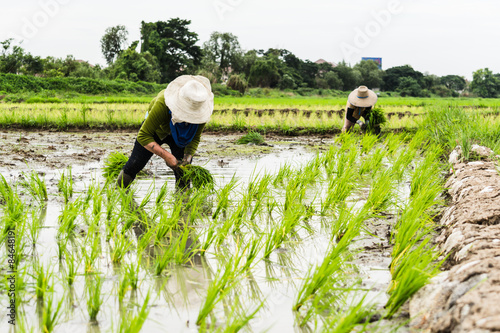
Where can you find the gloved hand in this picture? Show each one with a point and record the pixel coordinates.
(186, 160)
(362, 125)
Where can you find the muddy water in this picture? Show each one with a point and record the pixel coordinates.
(176, 299)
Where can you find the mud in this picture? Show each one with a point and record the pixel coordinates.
(58, 150)
(465, 298)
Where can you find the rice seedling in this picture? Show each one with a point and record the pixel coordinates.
(121, 245)
(356, 316)
(42, 278)
(65, 185)
(331, 266)
(94, 297)
(67, 219)
(210, 237)
(13, 211)
(178, 251)
(367, 143)
(91, 249)
(132, 273)
(51, 314)
(373, 162)
(412, 272)
(123, 287)
(219, 287)
(381, 196)
(35, 186)
(377, 120)
(71, 268)
(133, 324)
(113, 164)
(251, 137)
(35, 226)
(237, 319)
(199, 176)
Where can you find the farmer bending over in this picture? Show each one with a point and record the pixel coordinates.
(359, 104)
(176, 116)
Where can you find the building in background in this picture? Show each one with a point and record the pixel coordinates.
(377, 60)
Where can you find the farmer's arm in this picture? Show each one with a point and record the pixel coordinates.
(349, 120)
(157, 115)
(191, 148)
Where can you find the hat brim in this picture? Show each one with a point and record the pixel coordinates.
(184, 112)
(370, 100)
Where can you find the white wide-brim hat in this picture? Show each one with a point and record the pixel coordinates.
(362, 97)
(190, 99)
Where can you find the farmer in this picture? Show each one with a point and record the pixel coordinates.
(359, 104)
(176, 116)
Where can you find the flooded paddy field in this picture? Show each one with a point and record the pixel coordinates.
(298, 234)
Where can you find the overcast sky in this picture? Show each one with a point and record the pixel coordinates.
(437, 37)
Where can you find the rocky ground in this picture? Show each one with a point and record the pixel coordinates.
(465, 298)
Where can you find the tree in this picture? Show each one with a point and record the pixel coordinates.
(485, 84)
(392, 77)
(350, 77)
(12, 57)
(134, 66)
(409, 86)
(113, 42)
(173, 45)
(454, 82)
(333, 81)
(264, 73)
(224, 49)
(371, 75)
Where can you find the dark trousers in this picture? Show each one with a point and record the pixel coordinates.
(140, 156)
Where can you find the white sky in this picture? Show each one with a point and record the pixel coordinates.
(436, 36)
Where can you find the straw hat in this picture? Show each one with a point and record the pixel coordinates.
(190, 99)
(362, 97)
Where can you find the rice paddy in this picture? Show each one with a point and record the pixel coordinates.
(332, 238)
(273, 246)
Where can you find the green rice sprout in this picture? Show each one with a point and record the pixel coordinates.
(218, 288)
(199, 176)
(133, 324)
(223, 197)
(123, 287)
(65, 185)
(94, 296)
(42, 278)
(251, 137)
(35, 186)
(71, 268)
(121, 245)
(51, 314)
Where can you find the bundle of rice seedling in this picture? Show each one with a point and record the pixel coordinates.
(199, 176)
(251, 137)
(113, 164)
(377, 119)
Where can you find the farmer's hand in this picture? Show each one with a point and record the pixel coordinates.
(186, 160)
(172, 162)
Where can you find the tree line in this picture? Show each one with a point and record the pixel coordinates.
(169, 49)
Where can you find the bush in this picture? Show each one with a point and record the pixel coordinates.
(12, 83)
(236, 82)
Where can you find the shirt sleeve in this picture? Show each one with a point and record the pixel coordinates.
(193, 145)
(157, 115)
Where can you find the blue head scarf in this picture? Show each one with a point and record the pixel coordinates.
(183, 133)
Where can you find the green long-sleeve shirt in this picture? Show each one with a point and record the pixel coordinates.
(158, 122)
